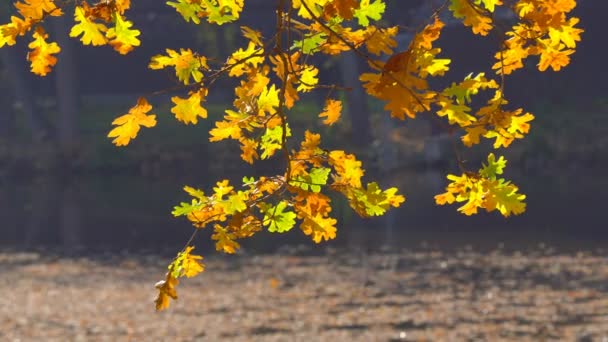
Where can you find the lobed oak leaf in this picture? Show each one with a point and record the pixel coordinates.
(308, 78)
(224, 240)
(277, 218)
(369, 10)
(331, 112)
(348, 168)
(186, 264)
(379, 41)
(10, 31)
(253, 35)
(313, 181)
(41, 54)
(166, 291)
(268, 101)
(241, 59)
(128, 125)
(189, 10)
(224, 130)
(36, 9)
(92, 32)
(249, 151)
(222, 188)
(319, 227)
(554, 58)
(479, 23)
(186, 63)
(122, 38)
(189, 110)
(235, 203)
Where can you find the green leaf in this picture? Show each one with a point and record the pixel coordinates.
(369, 10)
(235, 203)
(188, 10)
(186, 208)
(277, 219)
(310, 44)
(272, 141)
(494, 167)
(374, 201)
(316, 178)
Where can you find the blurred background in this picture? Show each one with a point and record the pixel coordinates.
(64, 185)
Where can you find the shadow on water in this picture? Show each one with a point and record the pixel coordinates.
(132, 213)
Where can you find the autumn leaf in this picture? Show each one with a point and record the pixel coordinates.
(373, 201)
(554, 58)
(369, 9)
(9, 32)
(129, 124)
(187, 64)
(472, 17)
(189, 110)
(319, 228)
(224, 240)
(313, 181)
(36, 9)
(189, 10)
(92, 32)
(343, 8)
(331, 112)
(41, 54)
(308, 78)
(186, 264)
(277, 218)
(166, 292)
(484, 190)
(122, 38)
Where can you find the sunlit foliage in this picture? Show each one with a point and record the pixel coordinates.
(273, 72)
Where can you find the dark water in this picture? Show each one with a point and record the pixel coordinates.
(567, 210)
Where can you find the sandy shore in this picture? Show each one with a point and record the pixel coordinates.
(338, 296)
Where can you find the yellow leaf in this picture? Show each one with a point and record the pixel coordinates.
(10, 31)
(268, 101)
(186, 63)
(128, 124)
(252, 35)
(189, 110)
(122, 38)
(308, 78)
(556, 59)
(347, 167)
(224, 240)
(249, 150)
(319, 228)
(472, 17)
(166, 291)
(222, 188)
(186, 264)
(41, 56)
(92, 32)
(224, 130)
(332, 111)
(36, 9)
(241, 59)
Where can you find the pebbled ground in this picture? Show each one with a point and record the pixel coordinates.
(410, 295)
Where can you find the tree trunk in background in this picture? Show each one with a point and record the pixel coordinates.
(14, 61)
(356, 103)
(7, 116)
(67, 91)
(70, 217)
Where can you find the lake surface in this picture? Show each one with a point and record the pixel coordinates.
(566, 209)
